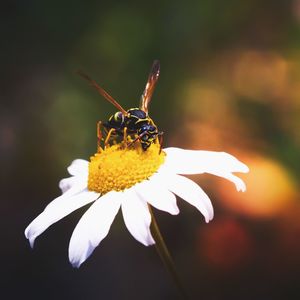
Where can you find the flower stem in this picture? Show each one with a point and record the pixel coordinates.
(165, 255)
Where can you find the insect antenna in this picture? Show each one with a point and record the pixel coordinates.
(102, 92)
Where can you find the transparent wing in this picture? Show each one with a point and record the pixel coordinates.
(102, 92)
(152, 79)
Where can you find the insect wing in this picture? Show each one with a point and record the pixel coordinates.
(152, 79)
(102, 92)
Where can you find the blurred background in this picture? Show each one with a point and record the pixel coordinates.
(230, 81)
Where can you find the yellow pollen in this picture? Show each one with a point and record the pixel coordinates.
(117, 168)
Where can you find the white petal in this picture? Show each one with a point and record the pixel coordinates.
(190, 192)
(152, 192)
(137, 217)
(93, 227)
(73, 184)
(56, 210)
(67, 183)
(239, 183)
(221, 164)
(78, 167)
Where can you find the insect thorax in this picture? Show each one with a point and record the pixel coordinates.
(135, 118)
(137, 123)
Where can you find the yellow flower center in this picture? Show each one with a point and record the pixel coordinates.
(117, 168)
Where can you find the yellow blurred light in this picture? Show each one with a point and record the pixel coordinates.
(205, 101)
(270, 190)
(208, 117)
(260, 75)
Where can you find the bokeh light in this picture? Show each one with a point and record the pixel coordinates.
(270, 190)
(226, 245)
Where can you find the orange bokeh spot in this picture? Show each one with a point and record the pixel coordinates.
(270, 190)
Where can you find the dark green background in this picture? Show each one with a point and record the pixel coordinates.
(48, 116)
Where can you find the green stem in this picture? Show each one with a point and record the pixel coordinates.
(165, 255)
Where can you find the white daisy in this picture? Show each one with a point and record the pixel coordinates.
(131, 179)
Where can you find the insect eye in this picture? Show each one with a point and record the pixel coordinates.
(144, 128)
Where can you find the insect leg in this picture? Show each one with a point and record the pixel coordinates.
(105, 129)
(137, 138)
(125, 136)
(108, 136)
(99, 135)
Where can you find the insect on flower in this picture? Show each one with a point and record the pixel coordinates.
(134, 122)
(131, 173)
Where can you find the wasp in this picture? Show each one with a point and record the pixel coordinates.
(134, 121)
